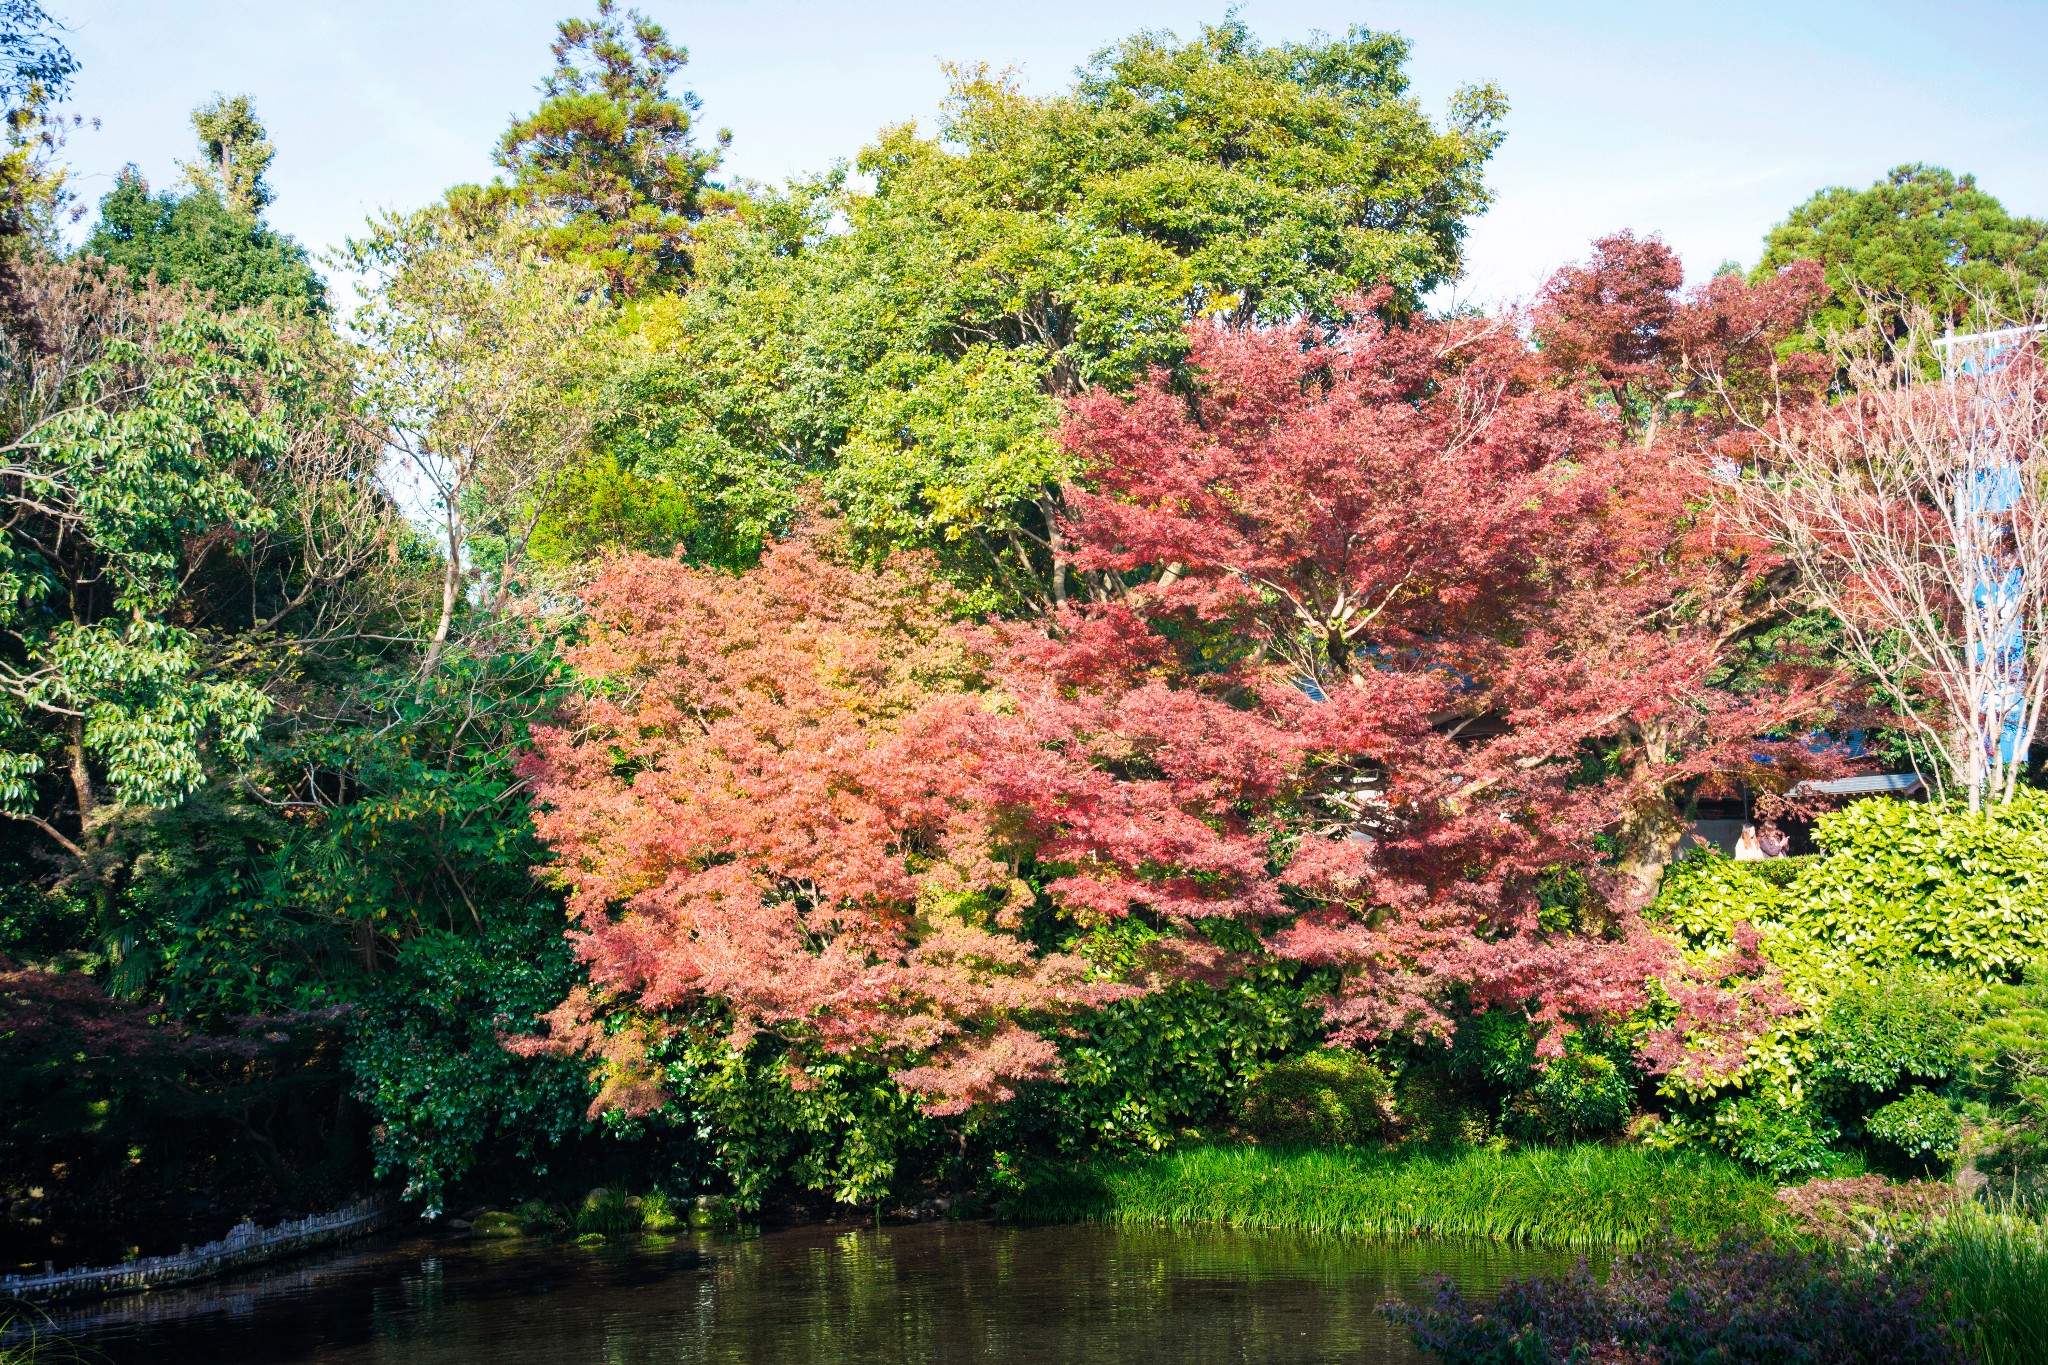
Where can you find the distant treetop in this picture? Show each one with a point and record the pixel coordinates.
(212, 237)
(1922, 235)
(612, 151)
(234, 154)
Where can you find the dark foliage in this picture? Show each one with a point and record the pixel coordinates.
(1743, 1301)
(110, 1115)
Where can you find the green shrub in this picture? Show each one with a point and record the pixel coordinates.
(1149, 1072)
(1589, 1092)
(2004, 1063)
(429, 1062)
(1884, 939)
(1583, 1094)
(1922, 1125)
(1433, 1110)
(1776, 1133)
(775, 1119)
(1891, 1028)
(1325, 1098)
(1494, 1048)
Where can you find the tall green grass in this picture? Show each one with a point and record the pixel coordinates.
(1585, 1196)
(23, 1342)
(1990, 1270)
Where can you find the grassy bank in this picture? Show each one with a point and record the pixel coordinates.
(1583, 1196)
(1991, 1273)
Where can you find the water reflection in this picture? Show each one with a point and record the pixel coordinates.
(917, 1295)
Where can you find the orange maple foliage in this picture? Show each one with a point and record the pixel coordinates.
(766, 798)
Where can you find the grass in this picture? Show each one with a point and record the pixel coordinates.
(1585, 1196)
(28, 1344)
(1990, 1270)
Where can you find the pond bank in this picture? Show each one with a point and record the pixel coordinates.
(244, 1246)
(1571, 1197)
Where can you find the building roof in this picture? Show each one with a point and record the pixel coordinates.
(1878, 784)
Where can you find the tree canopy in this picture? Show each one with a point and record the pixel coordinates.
(197, 238)
(1922, 235)
(212, 237)
(1035, 246)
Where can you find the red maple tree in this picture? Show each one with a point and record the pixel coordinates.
(1389, 626)
(764, 800)
(1680, 596)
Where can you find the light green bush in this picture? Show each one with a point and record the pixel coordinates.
(1773, 1131)
(1881, 1031)
(1903, 884)
(1899, 942)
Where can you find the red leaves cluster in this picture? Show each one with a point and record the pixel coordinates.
(1327, 696)
(1690, 380)
(768, 798)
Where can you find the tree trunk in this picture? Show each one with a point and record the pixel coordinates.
(451, 585)
(81, 777)
(1650, 836)
(1059, 550)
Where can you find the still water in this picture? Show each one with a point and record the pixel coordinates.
(924, 1294)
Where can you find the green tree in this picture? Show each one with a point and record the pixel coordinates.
(480, 352)
(1922, 235)
(197, 239)
(35, 73)
(133, 424)
(234, 155)
(212, 237)
(916, 360)
(610, 152)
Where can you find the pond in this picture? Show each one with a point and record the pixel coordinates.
(815, 1295)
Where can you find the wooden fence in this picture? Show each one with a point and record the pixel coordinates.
(244, 1245)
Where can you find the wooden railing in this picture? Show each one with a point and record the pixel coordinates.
(244, 1245)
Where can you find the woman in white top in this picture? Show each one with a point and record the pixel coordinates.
(1748, 848)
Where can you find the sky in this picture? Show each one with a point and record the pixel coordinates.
(1703, 122)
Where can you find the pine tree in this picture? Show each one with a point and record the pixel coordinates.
(611, 151)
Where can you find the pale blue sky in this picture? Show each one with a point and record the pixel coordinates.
(1704, 122)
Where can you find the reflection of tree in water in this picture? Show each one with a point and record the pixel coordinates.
(1085, 1294)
